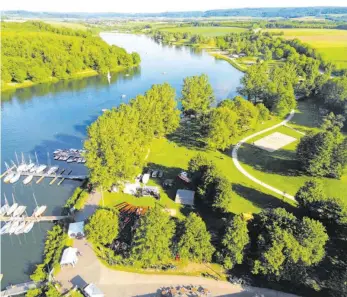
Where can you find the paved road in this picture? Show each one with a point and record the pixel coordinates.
(245, 173)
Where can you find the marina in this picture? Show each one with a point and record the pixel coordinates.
(62, 113)
(70, 155)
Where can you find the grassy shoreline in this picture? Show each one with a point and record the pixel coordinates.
(81, 74)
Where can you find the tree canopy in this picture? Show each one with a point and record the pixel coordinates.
(102, 226)
(235, 242)
(197, 95)
(195, 242)
(38, 52)
(153, 238)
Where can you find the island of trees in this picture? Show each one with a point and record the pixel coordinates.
(38, 52)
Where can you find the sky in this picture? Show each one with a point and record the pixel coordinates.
(153, 5)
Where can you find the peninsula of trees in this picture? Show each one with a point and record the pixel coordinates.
(38, 52)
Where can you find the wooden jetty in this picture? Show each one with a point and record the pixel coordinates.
(20, 289)
(65, 176)
(34, 219)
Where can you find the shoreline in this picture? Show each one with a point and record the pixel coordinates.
(77, 75)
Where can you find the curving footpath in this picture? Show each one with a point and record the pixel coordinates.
(245, 173)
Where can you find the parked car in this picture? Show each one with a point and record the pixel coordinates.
(155, 173)
(160, 174)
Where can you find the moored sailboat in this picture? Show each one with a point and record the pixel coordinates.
(15, 178)
(28, 179)
(19, 211)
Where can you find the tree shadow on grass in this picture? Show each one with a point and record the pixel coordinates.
(189, 135)
(281, 162)
(261, 199)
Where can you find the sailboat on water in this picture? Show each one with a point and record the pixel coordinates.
(4, 229)
(23, 166)
(12, 208)
(39, 210)
(30, 165)
(4, 208)
(109, 77)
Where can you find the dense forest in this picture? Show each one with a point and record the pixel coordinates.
(285, 12)
(40, 52)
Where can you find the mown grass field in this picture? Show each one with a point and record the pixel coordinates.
(172, 156)
(205, 31)
(332, 44)
(280, 169)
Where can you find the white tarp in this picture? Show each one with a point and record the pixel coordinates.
(93, 291)
(185, 197)
(274, 141)
(69, 257)
(76, 229)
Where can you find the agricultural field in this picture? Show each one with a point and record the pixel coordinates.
(332, 44)
(205, 31)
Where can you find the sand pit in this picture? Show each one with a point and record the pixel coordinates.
(274, 141)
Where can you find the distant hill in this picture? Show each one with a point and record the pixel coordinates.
(285, 12)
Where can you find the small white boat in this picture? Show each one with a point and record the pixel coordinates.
(127, 74)
(52, 170)
(4, 209)
(41, 168)
(28, 227)
(12, 209)
(8, 177)
(109, 77)
(19, 211)
(22, 167)
(15, 178)
(20, 228)
(5, 228)
(39, 210)
(13, 227)
(57, 151)
(123, 96)
(34, 168)
(28, 179)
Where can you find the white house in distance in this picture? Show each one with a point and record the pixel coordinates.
(185, 197)
(93, 291)
(69, 257)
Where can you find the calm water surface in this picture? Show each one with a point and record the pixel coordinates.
(51, 116)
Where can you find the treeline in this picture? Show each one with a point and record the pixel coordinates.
(285, 12)
(56, 53)
(155, 243)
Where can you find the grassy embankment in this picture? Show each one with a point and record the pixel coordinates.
(205, 31)
(332, 44)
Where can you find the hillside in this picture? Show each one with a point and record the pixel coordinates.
(34, 52)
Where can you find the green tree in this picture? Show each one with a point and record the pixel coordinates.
(39, 274)
(195, 243)
(333, 122)
(153, 238)
(235, 242)
(285, 101)
(52, 291)
(279, 53)
(334, 94)
(222, 128)
(224, 195)
(33, 293)
(116, 146)
(197, 95)
(264, 113)
(323, 154)
(136, 58)
(102, 227)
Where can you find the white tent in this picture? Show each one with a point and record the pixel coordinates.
(185, 197)
(69, 257)
(76, 229)
(93, 291)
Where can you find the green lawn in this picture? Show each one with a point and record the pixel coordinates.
(205, 31)
(332, 44)
(280, 168)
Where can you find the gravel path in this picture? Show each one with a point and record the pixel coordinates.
(245, 173)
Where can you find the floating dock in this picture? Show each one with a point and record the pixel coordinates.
(33, 219)
(20, 289)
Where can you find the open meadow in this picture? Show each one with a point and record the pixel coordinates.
(332, 44)
(205, 31)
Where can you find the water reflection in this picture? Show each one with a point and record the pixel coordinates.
(74, 85)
